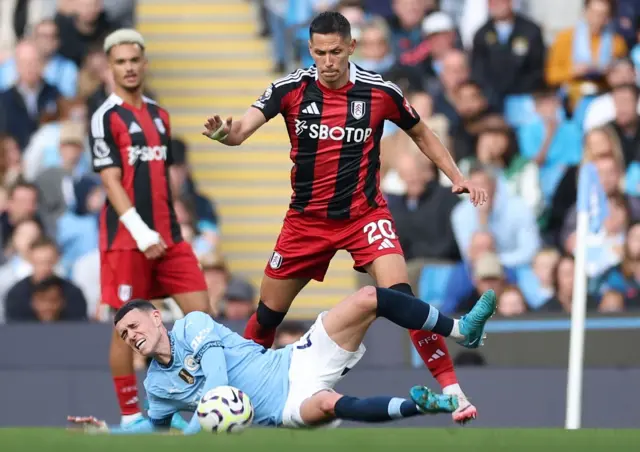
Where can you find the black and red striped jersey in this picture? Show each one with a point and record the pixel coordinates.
(335, 138)
(138, 141)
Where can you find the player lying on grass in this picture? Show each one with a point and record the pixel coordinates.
(290, 387)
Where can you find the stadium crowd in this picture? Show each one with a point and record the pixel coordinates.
(519, 114)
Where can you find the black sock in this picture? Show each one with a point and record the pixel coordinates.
(404, 288)
(411, 313)
(374, 409)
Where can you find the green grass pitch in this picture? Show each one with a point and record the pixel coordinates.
(352, 440)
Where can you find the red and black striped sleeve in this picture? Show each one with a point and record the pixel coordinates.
(399, 110)
(105, 152)
(166, 120)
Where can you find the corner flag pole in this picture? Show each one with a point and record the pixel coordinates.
(592, 210)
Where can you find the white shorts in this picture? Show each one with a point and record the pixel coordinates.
(317, 364)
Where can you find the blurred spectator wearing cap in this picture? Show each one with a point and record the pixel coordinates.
(460, 285)
(182, 184)
(508, 56)
(510, 221)
(87, 26)
(488, 274)
(422, 215)
(288, 333)
(58, 70)
(439, 34)
(217, 276)
(497, 148)
(406, 21)
(601, 109)
(580, 56)
(31, 101)
(16, 17)
(239, 300)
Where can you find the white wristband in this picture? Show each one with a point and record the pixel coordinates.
(141, 233)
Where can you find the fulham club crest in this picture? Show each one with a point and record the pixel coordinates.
(124, 292)
(276, 260)
(358, 109)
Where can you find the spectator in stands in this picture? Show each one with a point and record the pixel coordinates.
(572, 62)
(626, 21)
(488, 274)
(497, 148)
(508, 55)
(354, 12)
(95, 81)
(18, 255)
(58, 71)
(601, 109)
(30, 101)
(537, 282)
(17, 17)
(460, 285)
(510, 221)
(551, 141)
(121, 12)
(439, 33)
(239, 300)
(512, 303)
(455, 72)
(22, 205)
(473, 108)
(610, 172)
(405, 23)
(627, 121)
(598, 143)
(59, 186)
(44, 258)
(85, 274)
(43, 150)
(49, 303)
(87, 27)
(422, 214)
(188, 221)
(563, 293)
(374, 50)
(611, 302)
(625, 277)
(276, 13)
(288, 333)
(10, 162)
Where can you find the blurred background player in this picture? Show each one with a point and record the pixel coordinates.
(142, 252)
(293, 386)
(337, 202)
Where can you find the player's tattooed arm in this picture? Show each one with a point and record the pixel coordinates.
(234, 133)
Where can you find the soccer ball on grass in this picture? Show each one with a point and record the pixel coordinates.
(225, 409)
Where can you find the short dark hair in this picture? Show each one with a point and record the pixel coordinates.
(47, 283)
(21, 183)
(330, 22)
(42, 242)
(143, 305)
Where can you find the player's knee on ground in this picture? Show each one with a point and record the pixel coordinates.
(365, 299)
(267, 317)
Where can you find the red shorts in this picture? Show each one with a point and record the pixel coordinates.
(307, 244)
(128, 274)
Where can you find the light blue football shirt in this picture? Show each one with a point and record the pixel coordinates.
(206, 354)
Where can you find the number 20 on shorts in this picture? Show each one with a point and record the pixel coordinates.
(376, 230)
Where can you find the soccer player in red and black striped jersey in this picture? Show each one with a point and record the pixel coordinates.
(142, 254)
(334, 113)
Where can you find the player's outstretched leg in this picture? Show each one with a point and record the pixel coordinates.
(414, 314)
(325, 406)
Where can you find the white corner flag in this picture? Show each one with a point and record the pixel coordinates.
(592, 211)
